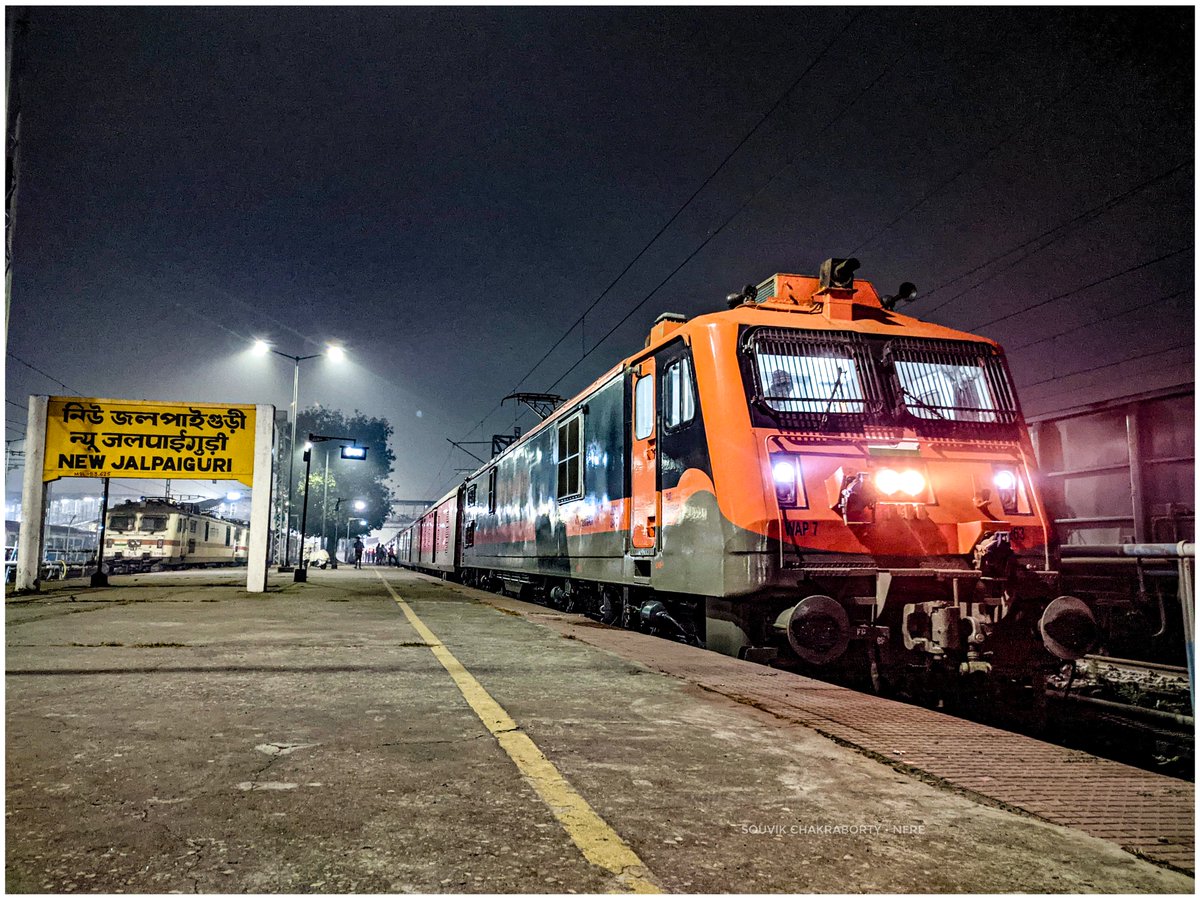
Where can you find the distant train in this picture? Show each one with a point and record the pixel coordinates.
(808, 476)
(160, 533)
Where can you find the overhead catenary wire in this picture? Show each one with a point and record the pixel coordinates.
(705, 183)
(737, 212)
(1065, 228)
(1082, 287)
(1093, 322)
(42, 372)
(1156, 352)
(720, 166)
(1021, 127)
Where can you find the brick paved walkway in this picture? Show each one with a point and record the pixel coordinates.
(1144, 813)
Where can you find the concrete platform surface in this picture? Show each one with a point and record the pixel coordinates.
(174, 733)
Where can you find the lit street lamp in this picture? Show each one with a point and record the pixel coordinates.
(335, 353)
(359, 506)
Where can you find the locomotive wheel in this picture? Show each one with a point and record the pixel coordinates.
(609, 609)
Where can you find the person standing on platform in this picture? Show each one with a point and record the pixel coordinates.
(358, 552)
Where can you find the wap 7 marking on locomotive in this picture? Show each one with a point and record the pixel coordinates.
(801, 529)
(807, 476)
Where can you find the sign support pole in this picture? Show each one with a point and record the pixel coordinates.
(100, 577)
(260, 499)
(33, 498)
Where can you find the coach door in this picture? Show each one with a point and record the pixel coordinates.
(643, 480)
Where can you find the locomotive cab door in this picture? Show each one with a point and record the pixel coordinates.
(644, 499)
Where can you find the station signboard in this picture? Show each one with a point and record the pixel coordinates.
(101, 438)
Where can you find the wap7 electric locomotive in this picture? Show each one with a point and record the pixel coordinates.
(808, 475)
(159, 533)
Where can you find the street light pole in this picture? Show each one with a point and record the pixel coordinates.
(301, 573)
(325, 501)
(334, 352)
(287, 538)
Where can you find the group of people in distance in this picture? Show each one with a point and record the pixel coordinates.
(380, 555)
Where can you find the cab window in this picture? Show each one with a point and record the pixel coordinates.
(643, 407)
(679, 396)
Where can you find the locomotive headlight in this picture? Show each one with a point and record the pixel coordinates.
(784, 473)
(887, 481)
(789, 486)
(890, 482)
(1007, 487)
(912, 482)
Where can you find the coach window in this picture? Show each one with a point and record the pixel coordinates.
(228, 534)
(570, 457)
(492, 491)
(206, 532)
(471, 493)
(193, 526)
(679, 398)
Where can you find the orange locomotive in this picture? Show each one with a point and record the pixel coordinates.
(808, 475)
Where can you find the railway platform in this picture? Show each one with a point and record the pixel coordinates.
(377, 730)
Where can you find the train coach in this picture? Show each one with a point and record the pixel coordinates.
(157, 532)
(808, 475)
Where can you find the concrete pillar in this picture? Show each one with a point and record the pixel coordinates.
(33, 498)
(260, 499)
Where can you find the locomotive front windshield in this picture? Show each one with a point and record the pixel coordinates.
(833, 381)
(154, 523)
(803, 383)
(946, 391)
(120, 523)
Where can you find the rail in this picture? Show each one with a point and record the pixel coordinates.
(1182, 554)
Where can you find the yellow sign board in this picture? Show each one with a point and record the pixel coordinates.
(96, 438)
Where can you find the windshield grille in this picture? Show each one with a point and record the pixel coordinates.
(951, 382)
(811, 380)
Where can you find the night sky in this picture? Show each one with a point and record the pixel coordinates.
(446, 190)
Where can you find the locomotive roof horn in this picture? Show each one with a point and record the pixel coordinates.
(746, 295)
(906, 292)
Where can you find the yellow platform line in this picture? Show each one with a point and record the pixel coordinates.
(595, 838)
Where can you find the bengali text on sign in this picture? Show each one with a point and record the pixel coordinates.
(95, 438)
